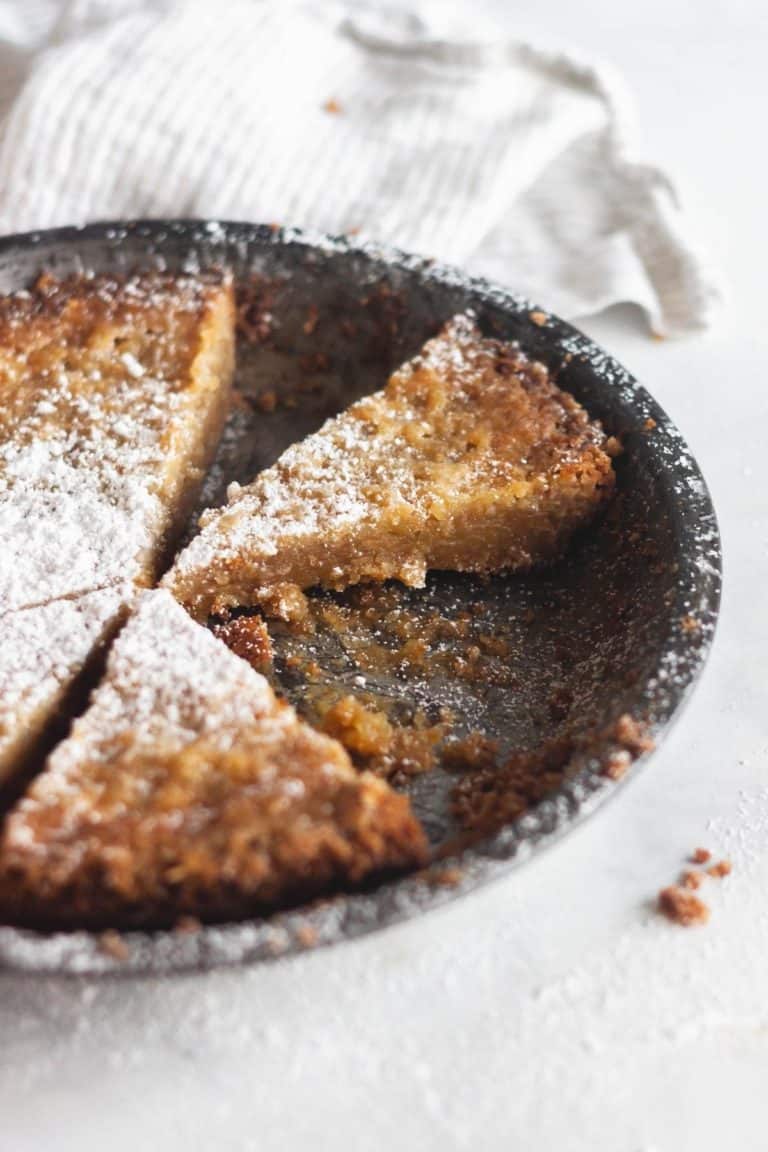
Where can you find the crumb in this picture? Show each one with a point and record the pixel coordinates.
(682, 907)
(266, 401)
(649, 424)
(486, 798)
(310, 323)
(722, 868)
(248, 638)
(657, 336)
(617, 764)
(446, 877)
(613, 447)
(692, 879)
(333, 107)
(689, 624)
(187, 925)
(631, 734)
(361, 731)
(539, 318)
(112, 944)
(475, 751)
(307, 936)
(701, 856)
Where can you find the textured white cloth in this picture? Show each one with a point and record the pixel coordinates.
(495, 155)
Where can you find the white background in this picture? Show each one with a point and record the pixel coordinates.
(554, 1010)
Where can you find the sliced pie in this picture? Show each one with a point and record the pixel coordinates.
(470, 459)
(187, 788)
(43, 654)
(113, 392)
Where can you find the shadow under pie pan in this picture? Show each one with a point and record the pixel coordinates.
(606, 644)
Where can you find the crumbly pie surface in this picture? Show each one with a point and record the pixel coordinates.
(188, 788)
(43, 653)
(471, 459)
(113, 393)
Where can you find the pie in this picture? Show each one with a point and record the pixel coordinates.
(44, 654)
(113, 394)
(470, 459)
(187, 788)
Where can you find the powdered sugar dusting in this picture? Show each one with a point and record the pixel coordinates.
(411, 454)
(89, 429)
(168, 681)
(43, 648)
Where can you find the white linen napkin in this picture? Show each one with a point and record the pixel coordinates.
(499, 156)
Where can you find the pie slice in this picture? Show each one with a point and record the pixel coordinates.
(113, 393)
(187, 788)
(470, 459)
(43, 653)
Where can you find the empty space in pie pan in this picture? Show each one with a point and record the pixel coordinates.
(588, 660)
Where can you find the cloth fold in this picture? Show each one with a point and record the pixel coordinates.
(502, 157)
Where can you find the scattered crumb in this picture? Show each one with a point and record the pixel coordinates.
(474, 751)
(487, 797)
(682, 907)
(649, 424)
(539, 318)
(632, 735)
(689, 624)
(701, 856)
(722, 868)
(692, 879)
(362, 732)
(445, 877)
(616, 765)
(333, 107)
(187, 925)
(613, 447)
(112, 944)
(248, 638)
(266, 401)
(310, 323)
(307, 936)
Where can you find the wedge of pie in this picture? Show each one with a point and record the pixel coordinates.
(470, 459)
(44, 654)
(187, 788)
(113, 392)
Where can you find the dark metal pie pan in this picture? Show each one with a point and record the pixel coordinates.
(619, 628)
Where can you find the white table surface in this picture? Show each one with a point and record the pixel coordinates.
(553, 1010)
